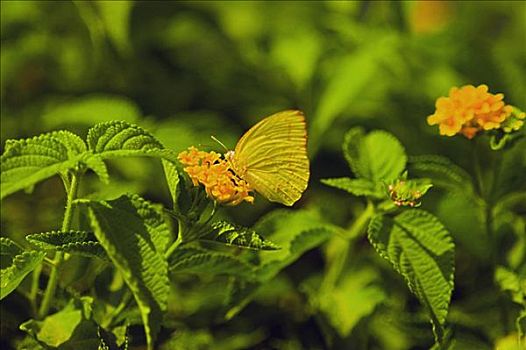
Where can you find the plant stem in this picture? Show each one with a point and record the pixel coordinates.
(177, 242)
(35, 283)
(122, 305)
(59, 256)
(478, 170)
(338, 262)
(486, 193)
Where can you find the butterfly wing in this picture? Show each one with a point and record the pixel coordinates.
(272, 157)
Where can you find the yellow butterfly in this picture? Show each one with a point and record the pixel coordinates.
(272, 157)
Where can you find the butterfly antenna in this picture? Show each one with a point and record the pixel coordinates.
(221, 143)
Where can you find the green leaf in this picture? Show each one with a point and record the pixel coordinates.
(8, 251)
(117, 339)
(74, 144)
(351, 151)
(118, 138)
(354, 298)
(284, 51)
(350, 78)
(98, 166)
(510, 282)
(442, 172)
(510, 177)
(239, 236)
(69, 329)
(295, 232)
(172, 179)
(377, 156)
(242, 291)
(422, 251)
(91, 109)
(135, 237)
(116, 17)
(21, 264)
(73, 242)
(209, 262)
(58, 328)
(357, 187)
(28, 161)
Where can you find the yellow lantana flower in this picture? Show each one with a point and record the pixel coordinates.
(217, 176)
(468, 110)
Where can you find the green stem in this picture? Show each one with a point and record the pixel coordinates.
(486, 194)
(177, 242)
(122, 305)
(35, 279)
(478, 171)
(338, 262)
(59, 256)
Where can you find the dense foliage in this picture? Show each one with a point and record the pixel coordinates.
(411, 234)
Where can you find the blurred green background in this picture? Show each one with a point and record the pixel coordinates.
(187, 70)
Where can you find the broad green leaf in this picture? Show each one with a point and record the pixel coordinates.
(377, 156)
(121, 139)
(386, 155)
(442, 172)
(301, 243)
(239, 236)
(74, 144)
(241, 292)
(73, 242)
(8, 251)
(135, 237)
(354, 298)
(190, 340)
(198, 339)
(69, 329)
(58, 328)
(357, 187)
(296, 232)
(21, 264)
(349, 79)
(28, 161)
(284, 51)
(351, 151)
(422, 251)
(120, 136)
(91, 109)
(464, 216)
(115, 16)
(209, 262)
(510, 282)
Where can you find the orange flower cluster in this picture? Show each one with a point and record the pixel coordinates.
(468, 110)
(216, 174)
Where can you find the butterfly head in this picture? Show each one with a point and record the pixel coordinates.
(229, 156)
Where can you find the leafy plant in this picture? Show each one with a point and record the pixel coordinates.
(426, 229)
(129, 234)
(414, 241)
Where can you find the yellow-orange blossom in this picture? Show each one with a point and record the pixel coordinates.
(216, 174)
(468, 110)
